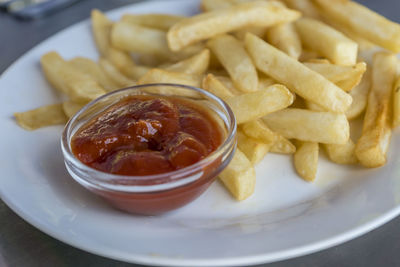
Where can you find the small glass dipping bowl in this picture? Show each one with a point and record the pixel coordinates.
(153, 194)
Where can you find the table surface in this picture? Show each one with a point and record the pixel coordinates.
(23, 245)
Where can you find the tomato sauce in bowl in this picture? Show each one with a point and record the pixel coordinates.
(152, 148)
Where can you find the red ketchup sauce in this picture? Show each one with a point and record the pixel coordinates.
(146, 135)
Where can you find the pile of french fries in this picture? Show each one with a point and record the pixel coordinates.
(294, 72)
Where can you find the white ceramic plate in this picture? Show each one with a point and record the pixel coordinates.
(286, 217)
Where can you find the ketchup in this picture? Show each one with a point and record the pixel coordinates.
(144, 135)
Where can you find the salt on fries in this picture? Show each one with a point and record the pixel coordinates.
(293, 81)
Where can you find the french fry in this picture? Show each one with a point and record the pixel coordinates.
(124, 63)
(254, 150)
(70, 108)
(311, 126)
(206, 25)
(342, 154)
(363, 44)
(113, 73)
(119, 59)
(157, 21)
(232, 55)
(282, 146)
(41, 117)
(135, 72)
(318, 61)
(360, 96)
(264, 82)
(284, 37)
(306, 7)
(139, 39)
(345, 77)
(306, 160)
(88, 66)
(163, 76)
(251, 106)
(101, 28)
(373, 144)
(396, 103)
(259, 130)
(327, 41)
(229, 84)
(211, 5)
(258, 31)
(197, 64)
(65, 78)
(213, 85)
(308, 55)
(300, 79)
(239, 176)
(362, 21)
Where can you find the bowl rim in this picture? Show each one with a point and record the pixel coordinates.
(173, 176)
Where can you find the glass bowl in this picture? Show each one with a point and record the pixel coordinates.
(153, 194)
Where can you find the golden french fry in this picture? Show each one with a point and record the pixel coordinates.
(264, 82)
(70, 108)
(311, 126)
(306, 7)
(300, 79)
(101, 27)
(239, 176)
(317, 61)
(114, 74)
(306, 160)
(151, 60)
(282, 146)
(135, 72)
(210, 5)
(163, 76)
(363, 44)
(64, 77)
(313, 107)
(213, 85)
(251, 106)
(197, 64)
(308, 55)
(258, 31)
(284, 37)
(254, 150)
(396, 103)
(373, 144)
(139, 39)
(362, 21)
(259, 130)
(232, 55)
(119, 59)
(346, 77)
(124, 63)
(342, 154)
(158, 21)
(229, 84)
(327, 41)
(206, 25)
(88, 66)
(41, 117)
(359, 95)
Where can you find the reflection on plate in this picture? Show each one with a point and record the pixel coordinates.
(286, 216)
